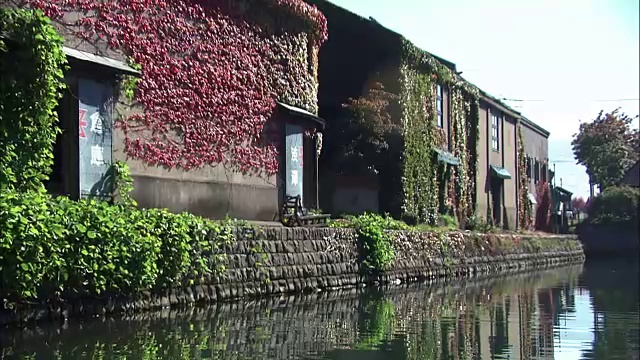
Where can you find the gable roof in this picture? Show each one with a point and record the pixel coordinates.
(632, 177)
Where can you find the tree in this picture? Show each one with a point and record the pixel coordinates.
(607, 147)
(363, 139)
(578, 203)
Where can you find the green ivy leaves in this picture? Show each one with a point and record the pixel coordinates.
(31, 68)
(59, 246)
(375, 244)
(425, 187)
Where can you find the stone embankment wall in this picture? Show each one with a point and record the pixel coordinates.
(292, 260)
(264, 261)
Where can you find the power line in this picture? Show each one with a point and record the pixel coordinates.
(540, 100)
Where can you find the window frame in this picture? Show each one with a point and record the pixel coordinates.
(495, 135)
(439, 106)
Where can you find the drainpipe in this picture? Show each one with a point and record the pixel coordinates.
(517, 176)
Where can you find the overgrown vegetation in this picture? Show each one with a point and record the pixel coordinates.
(426, 184)
(31, 68)
(617, 205)
(479, 224)
(525, 211)
(55, 247)
(375, 240)
(374, 243)
(181, 88)
(58, 247)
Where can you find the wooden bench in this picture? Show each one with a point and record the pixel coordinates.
(294, 214)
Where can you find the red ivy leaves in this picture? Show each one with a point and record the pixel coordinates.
(211, 73)
(307, 12)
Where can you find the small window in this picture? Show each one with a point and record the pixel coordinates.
(544, 173)
(532, 170)
(495, 131)
(536, 172)
(528, 167)
(439, 105)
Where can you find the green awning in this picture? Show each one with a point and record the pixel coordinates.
(559, 196)
(564, 193)
(447, 157)
(500, 172)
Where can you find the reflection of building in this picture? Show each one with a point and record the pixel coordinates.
(544, 345)
(505, 328)
(522, 326)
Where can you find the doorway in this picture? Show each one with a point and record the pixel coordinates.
(496, 200)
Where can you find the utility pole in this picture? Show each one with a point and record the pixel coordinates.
(553, 205)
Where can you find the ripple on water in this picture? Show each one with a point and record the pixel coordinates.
(569, 313)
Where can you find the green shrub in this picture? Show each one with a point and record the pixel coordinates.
(55, 246)
(448, 221)
(376, 248)
(31, 66)
(386, 222)
(615, 205)
(476, 223)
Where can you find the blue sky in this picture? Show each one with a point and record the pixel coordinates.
(563, 56)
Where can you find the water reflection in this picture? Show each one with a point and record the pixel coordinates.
(554, 314)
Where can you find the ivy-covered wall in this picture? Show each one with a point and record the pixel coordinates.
(201, 123)
(211, 72)
(431, 187)
(525, 210)
(410, 186)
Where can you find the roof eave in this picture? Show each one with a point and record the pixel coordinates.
(533, 126)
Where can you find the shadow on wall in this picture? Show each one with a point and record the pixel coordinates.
(355, 195)
(505, 218)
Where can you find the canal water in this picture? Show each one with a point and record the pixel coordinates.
(577, 312)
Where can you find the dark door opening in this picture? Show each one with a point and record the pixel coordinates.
(63, 178)
(496, 197)
(309, 177)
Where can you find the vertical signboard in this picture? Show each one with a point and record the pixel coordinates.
(95, 130)
(293, 161)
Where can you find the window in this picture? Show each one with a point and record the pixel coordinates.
(495, 131)
(536, 172)
(545, 172)
(439, 104)
(528, 166)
